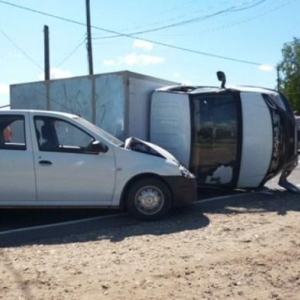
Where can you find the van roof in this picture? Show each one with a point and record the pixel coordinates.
(189, 89)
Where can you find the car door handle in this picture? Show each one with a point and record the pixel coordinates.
(45, 162)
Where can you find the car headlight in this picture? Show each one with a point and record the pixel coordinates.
(185, 172)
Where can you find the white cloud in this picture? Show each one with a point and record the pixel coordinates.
(4, 88)
(109, 62)
(142, 44)
(186, 82)
(135, 59)
(177, 76)
(142, 59)
(56, 73)
(266, 68)
(15, 55)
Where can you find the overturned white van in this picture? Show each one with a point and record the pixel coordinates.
(237, 137)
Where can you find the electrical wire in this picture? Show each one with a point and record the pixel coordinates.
(43, 13)
(20, 49)
(3, 106)
(234, 24)
(193, 20)
(134, 37)
(71, 53)
(165, 12)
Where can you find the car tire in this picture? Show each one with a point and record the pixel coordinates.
(149, 199)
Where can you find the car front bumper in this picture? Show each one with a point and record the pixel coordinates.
(184, 189)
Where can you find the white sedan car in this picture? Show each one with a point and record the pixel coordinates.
(53, 159)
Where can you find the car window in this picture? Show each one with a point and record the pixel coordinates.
(112, 139)
(54, 134)
(12, 132)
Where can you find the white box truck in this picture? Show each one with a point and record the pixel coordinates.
(229, 137)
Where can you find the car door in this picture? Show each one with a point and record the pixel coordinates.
(17, 181)
(66, 173)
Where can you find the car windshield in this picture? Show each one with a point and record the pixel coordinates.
(100, 131)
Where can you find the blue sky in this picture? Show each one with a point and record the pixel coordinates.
(182, 41)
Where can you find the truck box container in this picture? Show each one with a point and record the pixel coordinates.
(118, 102)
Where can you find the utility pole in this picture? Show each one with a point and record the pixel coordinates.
(89, 38)
(46, 55)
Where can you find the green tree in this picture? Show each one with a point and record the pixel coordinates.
(289, 73)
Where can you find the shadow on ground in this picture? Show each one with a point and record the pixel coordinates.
(118, 227)
(269, 200)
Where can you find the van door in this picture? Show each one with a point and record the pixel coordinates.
(216, 138)
(67, 173)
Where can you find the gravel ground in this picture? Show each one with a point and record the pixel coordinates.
(249, 250)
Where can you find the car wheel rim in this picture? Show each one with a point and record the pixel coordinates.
(149, 200)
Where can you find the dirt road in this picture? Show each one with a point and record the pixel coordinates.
(246, 251)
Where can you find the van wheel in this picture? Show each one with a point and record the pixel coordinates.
(149, 199)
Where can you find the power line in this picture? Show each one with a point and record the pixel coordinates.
(20, 49)
(248, 7)
(71, 53)
(205, 53)
(234, 24)
(249, 18)
(3, 106)
(165, 12)
(133, 37)
(196, 19)
(42, 13)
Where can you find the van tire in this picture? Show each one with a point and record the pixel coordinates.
(148, 199)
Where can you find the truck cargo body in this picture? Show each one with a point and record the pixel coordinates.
(117, 102)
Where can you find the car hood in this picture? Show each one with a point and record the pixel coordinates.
(135, 144)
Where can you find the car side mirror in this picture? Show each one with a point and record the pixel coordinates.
(221, 77)
(97, 146)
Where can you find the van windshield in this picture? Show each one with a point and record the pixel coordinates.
(215, 138)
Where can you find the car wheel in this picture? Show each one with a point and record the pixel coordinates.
(149, 199)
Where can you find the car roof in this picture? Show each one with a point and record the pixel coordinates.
(36, 111)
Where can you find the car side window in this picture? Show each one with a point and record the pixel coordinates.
(55, 134)
(12, 132)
